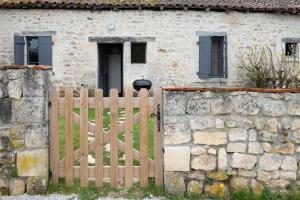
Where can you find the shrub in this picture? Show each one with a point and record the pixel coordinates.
(261, 67)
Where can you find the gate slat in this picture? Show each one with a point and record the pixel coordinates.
(69, 136)
(128, 137)
(114, 138)
(144, 138)
(99, 140)
(54, 138)
(84, 137)
(158, 138)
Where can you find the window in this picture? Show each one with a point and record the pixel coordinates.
(38, 50)
(32, 51)
(291, 49)
(212, 57)
(138, 52)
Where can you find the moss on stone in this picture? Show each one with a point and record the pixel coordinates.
(4, 192)
(219, 176)
(17, 143)
(217, 189)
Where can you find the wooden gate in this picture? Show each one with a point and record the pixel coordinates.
(143, 107)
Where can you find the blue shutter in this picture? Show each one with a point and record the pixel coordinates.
(45, 50)
(19, 45)
(204, 56)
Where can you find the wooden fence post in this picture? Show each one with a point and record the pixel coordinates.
(54, 137)
(114, 150)
(144, 168)
(99, 138)
(69, 137)
(158, 137)
(84, 181)
(128, 137)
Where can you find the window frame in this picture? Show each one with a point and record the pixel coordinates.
(221, 61)
(143, 44)
(295, 53)
(296, 40)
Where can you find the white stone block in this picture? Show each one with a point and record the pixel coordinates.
(177, 158)
(210, 138)
(236, 147)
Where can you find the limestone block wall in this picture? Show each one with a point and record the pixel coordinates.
(220, 141)
(23, 131)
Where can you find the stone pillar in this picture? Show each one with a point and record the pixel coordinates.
(24, 131)
(127, 69)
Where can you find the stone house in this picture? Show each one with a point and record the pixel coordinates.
(110, 43)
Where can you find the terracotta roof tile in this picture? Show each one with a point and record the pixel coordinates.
(285, 6)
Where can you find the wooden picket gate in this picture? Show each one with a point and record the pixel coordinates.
(64, 167)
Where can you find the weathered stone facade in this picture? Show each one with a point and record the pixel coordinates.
(23, 131)
(172, 55)
(220, 141)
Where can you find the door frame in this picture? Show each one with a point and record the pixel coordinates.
(101, 52)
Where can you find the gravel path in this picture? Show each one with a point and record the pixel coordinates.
(61, 197)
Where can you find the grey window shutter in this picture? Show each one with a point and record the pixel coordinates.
(19, 44)
(204, 56)
(45, 50)
(225, 58)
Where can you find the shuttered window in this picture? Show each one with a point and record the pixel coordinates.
(212, 57)
(38, 50)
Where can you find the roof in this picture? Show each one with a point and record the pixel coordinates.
(273, 6)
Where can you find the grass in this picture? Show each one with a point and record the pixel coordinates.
(92, 192)
(266, 194)
(137, 192)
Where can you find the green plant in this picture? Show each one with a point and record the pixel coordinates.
(262, 67)
(254, 65)
(13, 172)
(267, 194)
(284, 72)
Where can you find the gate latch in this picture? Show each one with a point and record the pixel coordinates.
(158, 118)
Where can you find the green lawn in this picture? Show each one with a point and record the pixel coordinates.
(106, 122)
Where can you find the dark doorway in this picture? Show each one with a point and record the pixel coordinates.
(110, 67)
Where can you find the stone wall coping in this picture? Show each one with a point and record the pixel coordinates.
(214, 89)
(16, 67)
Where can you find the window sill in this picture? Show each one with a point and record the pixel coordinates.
(138, 64)
(216, 76)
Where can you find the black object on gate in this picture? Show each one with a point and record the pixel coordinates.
(142, 83)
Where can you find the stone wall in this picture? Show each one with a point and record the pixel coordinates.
(172, 55)
(219, 141)
(23, 131)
